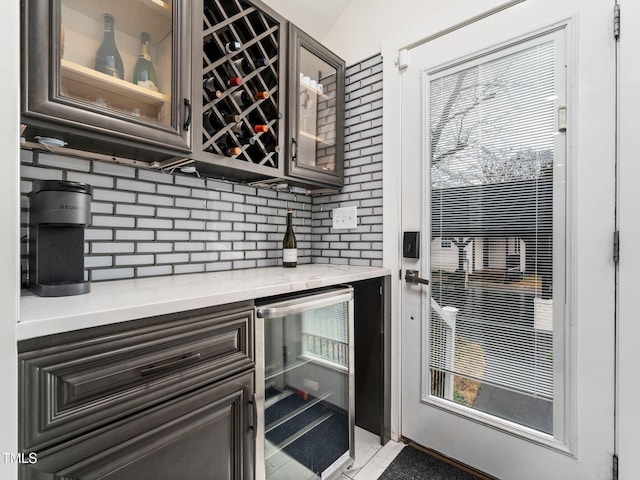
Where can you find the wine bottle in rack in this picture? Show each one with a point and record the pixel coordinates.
(209, 84)
(244, 67)
(212, 123)
(247, 140)
(108, 59)
(244, 99)
(272, 148)
(228, 151)
(232, 46)
(289, 244)
(144, 73)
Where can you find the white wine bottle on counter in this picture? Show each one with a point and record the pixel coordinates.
(289, 244)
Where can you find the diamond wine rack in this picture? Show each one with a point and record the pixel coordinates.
(241, 109)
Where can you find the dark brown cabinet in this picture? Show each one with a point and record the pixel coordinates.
(75, 92)
(316, 111)
(238, 91)
(164, 398)
(238, 66)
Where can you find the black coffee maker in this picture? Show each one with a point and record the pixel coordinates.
(59, 210)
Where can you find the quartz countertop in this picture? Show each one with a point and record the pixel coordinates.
(122, 300)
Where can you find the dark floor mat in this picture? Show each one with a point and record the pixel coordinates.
(321, 446)
(413, 464)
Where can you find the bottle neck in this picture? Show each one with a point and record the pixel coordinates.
(108, 26)
(144, 51)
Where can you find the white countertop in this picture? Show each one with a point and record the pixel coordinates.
(122, 300)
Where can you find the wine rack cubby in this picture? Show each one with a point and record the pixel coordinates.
(242, 88)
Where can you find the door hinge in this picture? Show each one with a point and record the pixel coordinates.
(616, 22)
(614, 467)
(403, 59)
(616, 246)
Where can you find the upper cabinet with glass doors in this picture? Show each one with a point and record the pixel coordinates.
(113, 76)
(316, 111)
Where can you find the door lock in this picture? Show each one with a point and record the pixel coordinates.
(412, 276)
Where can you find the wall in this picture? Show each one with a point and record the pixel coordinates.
(149, 223)
(9, 233)
(363, 175)
(363, 24)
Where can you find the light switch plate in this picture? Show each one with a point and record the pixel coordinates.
(345, 218)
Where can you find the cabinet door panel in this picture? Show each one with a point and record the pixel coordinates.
(202, 435)
(87, 80)
(316, 111)
(76, 385)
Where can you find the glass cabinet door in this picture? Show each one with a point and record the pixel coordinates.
(317, 115)
(114, 72)
(118, 56)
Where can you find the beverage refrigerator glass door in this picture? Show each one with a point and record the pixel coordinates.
(305, 386)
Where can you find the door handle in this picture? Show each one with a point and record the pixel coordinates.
(411, 276)
(187, 122)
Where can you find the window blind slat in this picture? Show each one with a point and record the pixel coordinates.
(491, 130)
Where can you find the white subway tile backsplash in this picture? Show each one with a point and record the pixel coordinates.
(154, 176)
(112, 247)
(123, 260)
(135, 210)
(62, 162)
(100, 194)
(160, 200)
(156, 247)
(101, 274)
(149, 223)
(135, 185)
(36, 173)
(172, 258)
(113, 169)
(112, 221)
(154, 271)
(155, 223)
(175, 235)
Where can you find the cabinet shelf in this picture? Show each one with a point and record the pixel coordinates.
(87, 83)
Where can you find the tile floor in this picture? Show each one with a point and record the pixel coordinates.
(371, 458)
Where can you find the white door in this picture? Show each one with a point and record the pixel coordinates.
(508, 173)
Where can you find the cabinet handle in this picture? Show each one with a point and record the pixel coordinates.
(294, 149)
(169, 364)
(254, 425)
(187, 122)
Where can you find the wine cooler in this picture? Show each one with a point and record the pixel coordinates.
(305, 386)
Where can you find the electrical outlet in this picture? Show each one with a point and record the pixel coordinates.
(345, 218)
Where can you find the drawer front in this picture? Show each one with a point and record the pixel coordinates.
(76, 386)
(204, 434)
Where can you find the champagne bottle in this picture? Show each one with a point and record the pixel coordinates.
(108, 59)
(144, 73)
(289, 244)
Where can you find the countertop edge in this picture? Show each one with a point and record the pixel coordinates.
(117, 301)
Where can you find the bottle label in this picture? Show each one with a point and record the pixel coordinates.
(290, 255)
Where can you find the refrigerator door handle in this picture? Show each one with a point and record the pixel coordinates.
(291, 307)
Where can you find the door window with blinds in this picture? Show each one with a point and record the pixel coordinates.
(494, 233)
